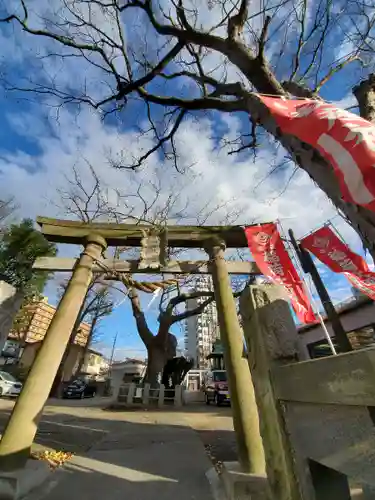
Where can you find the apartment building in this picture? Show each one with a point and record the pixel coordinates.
(201, 331)
(35, 320)
(30, 328)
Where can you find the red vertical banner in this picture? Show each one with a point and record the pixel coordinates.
(330, 250)
(274, 262)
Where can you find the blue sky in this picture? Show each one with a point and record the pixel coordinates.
(42, 140)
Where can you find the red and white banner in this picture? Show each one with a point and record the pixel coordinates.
(274, 262)
(329, 249)
(346, 140)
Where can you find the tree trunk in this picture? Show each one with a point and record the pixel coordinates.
(87, 346)
(58, 383)
(365, 95)
(158, 353)
(155, 365)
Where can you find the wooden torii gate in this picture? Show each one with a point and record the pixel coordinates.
(95, 237)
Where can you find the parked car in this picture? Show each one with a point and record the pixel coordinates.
(216, 387)
(9, 386)
(80, 389)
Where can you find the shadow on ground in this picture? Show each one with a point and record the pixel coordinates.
(117, 457)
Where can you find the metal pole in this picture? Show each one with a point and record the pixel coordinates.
(244, 407)
(310, 294)
(308, 266)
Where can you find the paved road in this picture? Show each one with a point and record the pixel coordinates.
(66, 425)
(140, 455)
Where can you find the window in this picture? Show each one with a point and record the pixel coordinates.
(360, 339)
(321, 349)
(220, 376)
(7, 376)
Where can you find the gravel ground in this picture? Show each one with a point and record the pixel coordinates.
(215, 429)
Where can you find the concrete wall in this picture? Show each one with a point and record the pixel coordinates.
(351, 320)
(328, 406)
(10, 302)
(116, 381)
(129, 368)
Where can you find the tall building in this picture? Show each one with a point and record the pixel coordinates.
(201, 331)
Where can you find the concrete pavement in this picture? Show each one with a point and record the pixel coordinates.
(143, 462)
(138, 455)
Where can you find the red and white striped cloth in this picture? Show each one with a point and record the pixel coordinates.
(346, 140)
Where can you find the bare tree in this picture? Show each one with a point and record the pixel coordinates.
(97, 307)
(7, 208)
(154, 202)
(223, 52)
(162, 346)
(98, 303)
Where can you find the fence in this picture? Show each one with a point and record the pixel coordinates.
(133, 394)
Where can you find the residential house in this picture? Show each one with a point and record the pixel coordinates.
(357, 315)
(25, 339)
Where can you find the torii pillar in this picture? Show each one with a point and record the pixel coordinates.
(20, 431)
(244, 407)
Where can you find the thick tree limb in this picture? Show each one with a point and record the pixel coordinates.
(142, 326)
(125, 89)
(263, 38)
(237, 53)
(194, 104)
(237, 22)
(192, 312)
(298, 90)
(365, 95)
(174, 318)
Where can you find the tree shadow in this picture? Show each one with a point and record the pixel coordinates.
(118, 457)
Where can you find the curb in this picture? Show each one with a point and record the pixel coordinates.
(216, 484)
(20, 483)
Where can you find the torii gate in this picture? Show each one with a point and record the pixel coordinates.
(95, 237)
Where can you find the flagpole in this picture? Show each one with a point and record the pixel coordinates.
(330, 223)
(309, 267)
(309, 293)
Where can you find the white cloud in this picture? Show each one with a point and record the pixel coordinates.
(212, 175)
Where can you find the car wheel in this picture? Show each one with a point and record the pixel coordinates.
(1, 392)
(208, 402)
(93, 394)
(82, 395)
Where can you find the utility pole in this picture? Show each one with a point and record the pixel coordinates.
(113, 352)
(309, 267)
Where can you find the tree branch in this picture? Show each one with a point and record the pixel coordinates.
(168, 317)
(126, 88)
(263, 38)
(195, 104)
(192, 312)
(298, 90)
(158, 145)
(237, 22)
